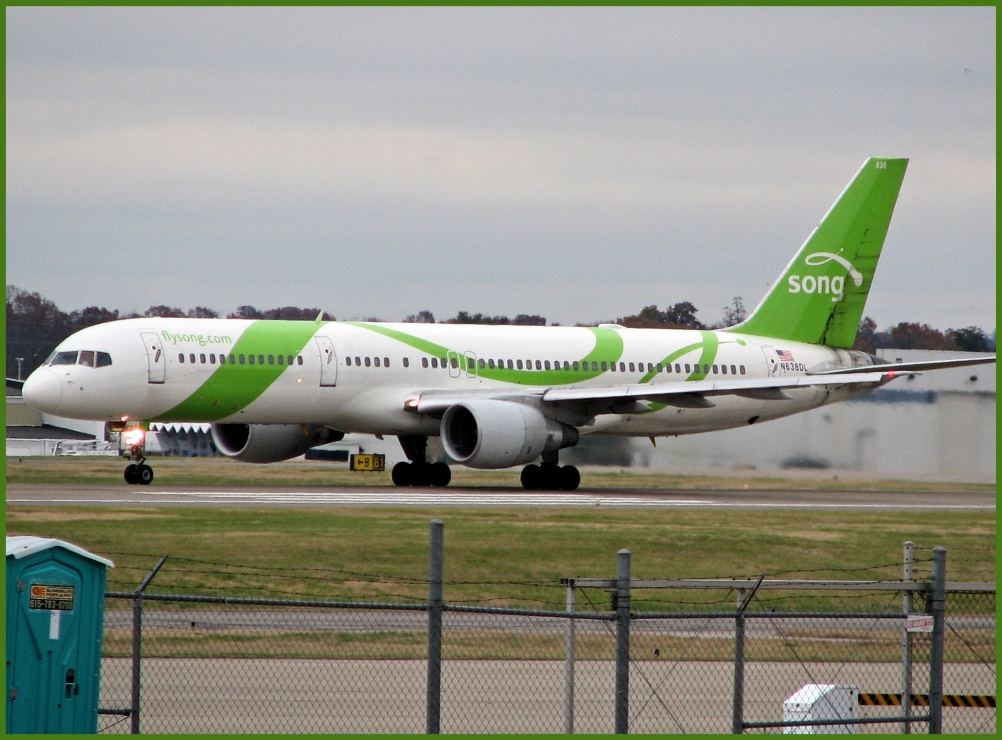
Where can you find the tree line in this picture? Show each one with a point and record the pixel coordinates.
(35, 325)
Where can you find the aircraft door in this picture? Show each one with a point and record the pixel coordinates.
(771, 361)
(328, 361)
(155, 355)
(471, 364)
(452, 358)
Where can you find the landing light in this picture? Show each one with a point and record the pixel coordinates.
(133, 437)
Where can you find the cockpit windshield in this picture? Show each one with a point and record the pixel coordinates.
(87, 358)
(65, 358)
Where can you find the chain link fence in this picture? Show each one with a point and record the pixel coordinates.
(716, 656)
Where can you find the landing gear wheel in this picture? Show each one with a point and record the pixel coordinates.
(531, 478)
(570, 478)
(420, 474)
(130, 474)
(401, 474)
(144, 475)
(441, 474)
(549, 477)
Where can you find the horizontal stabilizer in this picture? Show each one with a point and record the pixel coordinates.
(909, 367)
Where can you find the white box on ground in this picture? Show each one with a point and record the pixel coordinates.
(822, 701)
(918, 622)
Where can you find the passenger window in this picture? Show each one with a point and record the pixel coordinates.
(288, 360)
(678, 368)
(659, 367)
(714, 369)
(546, 365)
(86, 358)
(260, 359)
(250, 358)
(594, 367)
(706, 369)
(103, 359)
(490, 364)
(434, 362)
(442, 363)
(509, 364)
(622, 367)
(233, 359)
(732, 370)
(212, 359)
(406, 361)
(723, 369)
(191, 358)
(424, 362)
(347, 361)
(481, 364)
(368, 362)
(386, 362)
(605, 366)
(631, 368)
(575, 365)
(375, 361)
(518, 363)
(539, 365)
(742, 369)
(650, 368)
(358, 362)
(612, 366)
(454, 362)
(299, 359)
(567, 365)
(180, 357)
(242, 359)
(281, 359)
(271, 359)
(687, 368)
(201, 359)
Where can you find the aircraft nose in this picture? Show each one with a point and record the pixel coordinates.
(43, 390)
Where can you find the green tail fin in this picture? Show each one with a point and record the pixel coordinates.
(820, 296)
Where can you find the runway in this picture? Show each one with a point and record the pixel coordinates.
(383, 496)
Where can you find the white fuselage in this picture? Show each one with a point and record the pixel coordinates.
(334, 379)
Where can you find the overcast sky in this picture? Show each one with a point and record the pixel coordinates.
(579, 163)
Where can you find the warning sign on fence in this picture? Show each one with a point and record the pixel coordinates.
(918, 623)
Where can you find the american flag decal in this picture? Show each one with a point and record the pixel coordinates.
(785, 355)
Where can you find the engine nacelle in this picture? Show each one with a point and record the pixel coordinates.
(268, 443)
(499, 434)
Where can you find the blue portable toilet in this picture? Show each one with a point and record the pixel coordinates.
(55, 624)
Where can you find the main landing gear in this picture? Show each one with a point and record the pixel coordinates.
(137, 473)
(417, 472)
(550, 476)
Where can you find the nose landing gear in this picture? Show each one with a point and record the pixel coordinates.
(138, 472)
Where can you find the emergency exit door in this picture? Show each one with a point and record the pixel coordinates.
(156, 357)
(328, 361)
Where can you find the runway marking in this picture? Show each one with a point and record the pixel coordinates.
(422, 498)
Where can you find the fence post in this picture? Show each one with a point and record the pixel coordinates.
(936, 651)
(737, 719)
(435, 627)
(907, 604)
(137, 643)
(137, 648)
(569, 682)
(622, 642)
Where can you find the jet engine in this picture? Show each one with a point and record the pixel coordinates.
(268, 443)
(499, 434)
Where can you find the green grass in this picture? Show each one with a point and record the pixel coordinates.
(843, 645)
(511, 557)
(225, 472)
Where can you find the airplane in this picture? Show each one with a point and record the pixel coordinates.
(498, 396)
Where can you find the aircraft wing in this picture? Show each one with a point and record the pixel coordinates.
(691, 394)
(910, 367)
